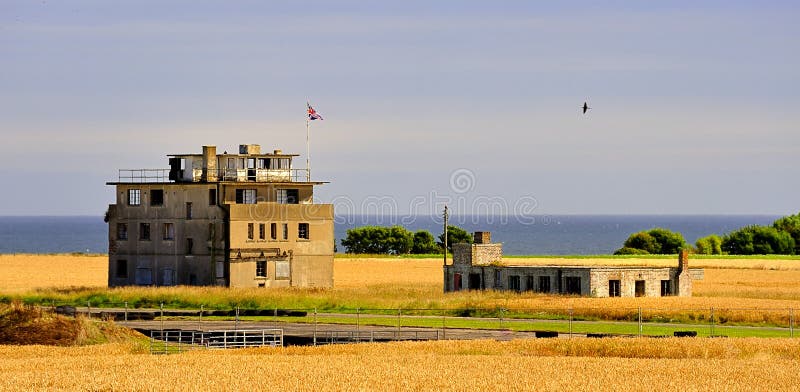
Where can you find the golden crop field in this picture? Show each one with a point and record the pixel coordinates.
(544, 364)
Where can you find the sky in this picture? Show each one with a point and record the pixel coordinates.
(694, 105)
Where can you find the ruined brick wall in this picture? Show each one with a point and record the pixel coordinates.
(684, 277)
(483, 254)
(462, 254)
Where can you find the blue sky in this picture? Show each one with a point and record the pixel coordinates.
(693, 103)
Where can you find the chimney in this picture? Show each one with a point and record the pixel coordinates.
(683, 260)
(277, 152)
(482, 237)
(209, 164)
(249, 149)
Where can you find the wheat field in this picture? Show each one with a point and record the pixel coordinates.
(544, 364)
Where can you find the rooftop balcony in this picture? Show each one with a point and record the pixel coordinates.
(203, 175)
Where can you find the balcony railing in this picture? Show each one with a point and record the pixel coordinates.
(196, 175)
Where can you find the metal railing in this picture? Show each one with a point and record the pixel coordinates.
(197, 175)
(143, 175)
(173, 341)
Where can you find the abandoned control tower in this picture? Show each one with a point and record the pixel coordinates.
(237, 220)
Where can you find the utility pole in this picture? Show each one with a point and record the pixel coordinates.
(445, 235)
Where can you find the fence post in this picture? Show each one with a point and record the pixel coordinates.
(200, 319)
(315, 326)
(89, 309)
(236, 319)
(161, 318)
(640, 321)
(571, 312)
(444, 324)
(126, 311)
(275, 317)
(358, 324)
(399, 314)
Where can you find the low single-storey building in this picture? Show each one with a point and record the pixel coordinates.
(480, 266)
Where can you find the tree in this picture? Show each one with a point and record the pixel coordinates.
(709, 245)
(425, 243)
(630, 251)
(758, 240)
(656, 241)
(455, 235)
(791, 225)
(378, 240)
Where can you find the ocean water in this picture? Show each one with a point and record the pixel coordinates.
(540, 235)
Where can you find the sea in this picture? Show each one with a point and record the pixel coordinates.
(520, 235)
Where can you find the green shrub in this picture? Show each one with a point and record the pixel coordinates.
(630, 251)
(709, 245)
(758, 240)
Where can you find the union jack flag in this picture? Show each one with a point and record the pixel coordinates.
(312, 114)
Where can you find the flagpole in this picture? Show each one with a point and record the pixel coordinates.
(308, 151)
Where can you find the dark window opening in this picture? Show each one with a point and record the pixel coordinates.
(639, 288)
(456, 282)
(188, 210)
(288, 196)
(273, 231)
(122, 231)
(189, 246)
(245, 196)
(302, 230)
(261, 269)
(144, 231)
(285, 231)
(156, 197)
(212, 197)
(513, 283)
(122, 269)
(134, 197)
(529, 283)
(262, 231)
(573, 284)
(249, 231)
(474, 282)
(544, 284)
(613, 288)
(666, 288)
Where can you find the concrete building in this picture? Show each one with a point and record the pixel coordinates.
(479, 266)
(237, 220)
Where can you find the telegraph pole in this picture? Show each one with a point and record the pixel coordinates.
(445, 235)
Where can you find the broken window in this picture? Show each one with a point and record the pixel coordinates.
(156, 197)
(614, 288)
(302, 230)
(188, 210)
(122, 269)
(261, 269)
(474, 281)
(245, 196)
(497, 280)
(144, 231)
(513, 283)
(639, 289)
(573, 284)
(249, 231)
(262, 231)
(212, 197)
(263, 163)
(189, 246)
(529, 283)
(134, 197)
(288, 196)
(232, 163)
(122, 231)
(666, 288)
(285, 231)
(544, 284)
(282, 269)
(169, 231)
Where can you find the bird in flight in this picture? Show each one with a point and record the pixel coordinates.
(585, 107)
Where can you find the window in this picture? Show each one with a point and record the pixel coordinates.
(231, 163)
(497, 280)
(474, 281)
(134, 197)
(285, 231)
(639, 288)
(613, 288)
(666, 288)
(144, 276)
(249, 231)
(273, 231)
(544, 284)
(287, 196)
(188, 210)
(156, 197)
(122, 269)
(212, 197)
(280, 163)
(245, 196)
(262, 231)
(261, 269)
(122, 231)
(529, 283)
(573, 284)
(189, 246)
(513, 283)
(263, 163)
(169, 231)
(302, 230)
(144, 231)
